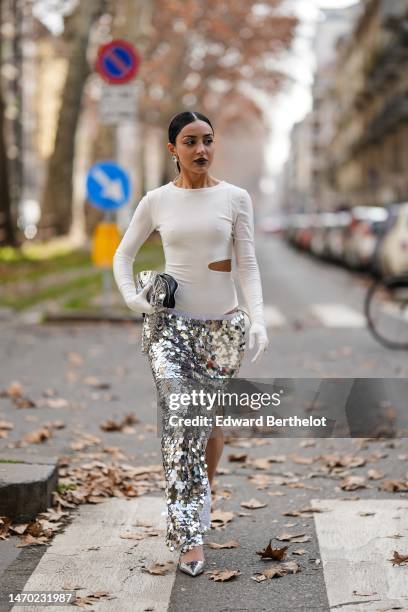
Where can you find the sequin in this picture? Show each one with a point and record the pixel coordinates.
(185, 351)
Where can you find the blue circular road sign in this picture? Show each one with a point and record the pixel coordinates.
(107, 185)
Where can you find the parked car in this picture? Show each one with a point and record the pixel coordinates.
(304, 235)
(362, 234)
(271, 224)
(298, 229)
(392, 255)
(336, 236)
(324, 224)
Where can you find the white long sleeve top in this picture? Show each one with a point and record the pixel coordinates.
(197, 227)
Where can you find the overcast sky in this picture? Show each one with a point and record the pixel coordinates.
(335, 3)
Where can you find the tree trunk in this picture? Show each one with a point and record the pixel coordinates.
(103, 148)
(56, 206)
(7, 227)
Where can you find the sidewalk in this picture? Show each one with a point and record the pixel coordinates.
(68, 287)
(26, 484)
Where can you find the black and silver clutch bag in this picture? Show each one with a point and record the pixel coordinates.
(163, 288)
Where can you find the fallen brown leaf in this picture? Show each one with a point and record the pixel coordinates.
(261, 481)
(93, 381)
(351, 483)
(159, 568)
(290, 567)
(5, 523)
(85, 441)
(38, 436)
(223, 575)
(398, 559)
(20, 528)
(83, 601)
(293, 537)
(15, 392)
(394, 485)
(75, 358)
(240, 457)
(6, 425)
(375, 474)
(15, 389)
(29, 540)
(302, 511)
(349, 461)
(272, 553)
(253, 504)
(221, 471)
(133, 536)
(302, 460)
(229, 544)
(219, 518)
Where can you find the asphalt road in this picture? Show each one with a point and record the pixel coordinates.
(101, 373)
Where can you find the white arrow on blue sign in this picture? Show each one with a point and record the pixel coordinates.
(107, 185)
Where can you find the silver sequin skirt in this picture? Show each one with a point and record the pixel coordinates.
(186, 353)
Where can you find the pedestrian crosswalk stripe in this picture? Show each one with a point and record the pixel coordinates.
(356, 548)
(338, 315)
(356, 543)
(273, 316)
(90, 553)
(326, 315)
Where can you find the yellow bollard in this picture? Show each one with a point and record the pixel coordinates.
(105, 241)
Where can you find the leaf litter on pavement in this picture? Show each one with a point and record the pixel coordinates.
(95, 480)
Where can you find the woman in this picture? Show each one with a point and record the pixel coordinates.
(201, 220)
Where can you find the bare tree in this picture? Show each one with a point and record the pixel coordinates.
(200, 55)
(56, 206)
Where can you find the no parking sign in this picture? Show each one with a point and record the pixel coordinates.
(117, 62)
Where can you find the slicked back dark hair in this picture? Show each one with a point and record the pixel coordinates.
(179, 121)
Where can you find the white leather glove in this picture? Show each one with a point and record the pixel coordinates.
(257, 333)
(138, 302)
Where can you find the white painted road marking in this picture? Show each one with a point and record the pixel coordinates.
(273, 316)
(355, 551)
(115, 566)
(338, 315)
(328, 315)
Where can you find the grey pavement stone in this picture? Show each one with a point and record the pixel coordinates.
(26, 487)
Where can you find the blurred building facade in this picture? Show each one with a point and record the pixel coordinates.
(358, 146)
(296, 183)
(370, 145)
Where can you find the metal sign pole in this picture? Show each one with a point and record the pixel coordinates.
(108, 184)
(109, 217)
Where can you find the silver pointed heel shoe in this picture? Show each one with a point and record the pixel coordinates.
(192, 568)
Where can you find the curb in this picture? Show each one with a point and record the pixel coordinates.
(90, 317)
(26, 484)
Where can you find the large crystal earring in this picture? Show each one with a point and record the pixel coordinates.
(174, 158)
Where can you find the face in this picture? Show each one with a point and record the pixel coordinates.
(195, 141)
